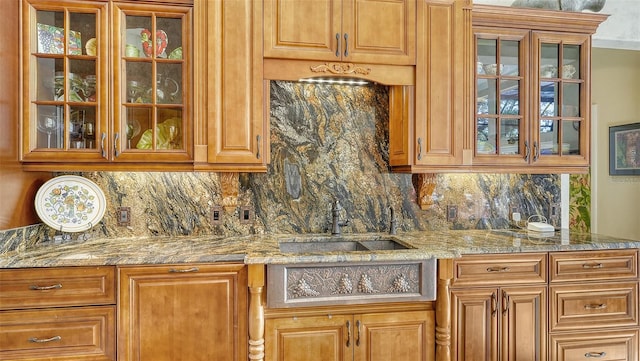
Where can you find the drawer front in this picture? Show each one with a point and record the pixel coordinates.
(56, 287)
(83, 333)
(601, 346)
(593, 265)
(594, 305)
(496, 270)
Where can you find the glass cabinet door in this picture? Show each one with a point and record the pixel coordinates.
(64, 68)
(152, 83)
(561, 131)
(500, 124)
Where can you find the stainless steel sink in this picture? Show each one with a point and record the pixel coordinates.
(322, 245)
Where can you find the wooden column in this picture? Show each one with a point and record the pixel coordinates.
(443, 310)
(256, 312)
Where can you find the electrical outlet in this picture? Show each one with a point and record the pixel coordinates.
(554, 214)
(216, 215)
(452, 213)
(246, 215)
(123, 216)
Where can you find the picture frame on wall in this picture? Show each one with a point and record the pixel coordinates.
(624, 149)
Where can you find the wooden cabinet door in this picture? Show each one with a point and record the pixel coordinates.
(524, 326)
(236, 131)
(182, 312)
(312, 338)
(475, 324)
(394, 336)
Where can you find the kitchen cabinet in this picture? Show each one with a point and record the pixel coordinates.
(116, 95)
(499, 307)
(594, 305)
(360, 31)
(336, 334)
(232, 125)
(182, 312)
(532, 89)
(66, 313)
(426, 128)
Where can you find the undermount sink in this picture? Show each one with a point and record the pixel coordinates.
(333, 245)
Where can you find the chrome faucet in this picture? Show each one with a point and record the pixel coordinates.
(394, 222)
(335, 218)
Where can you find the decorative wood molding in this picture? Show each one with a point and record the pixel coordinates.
(256, 312)
(443, 310)
(229, 182)
(424, 184)
(340, 69)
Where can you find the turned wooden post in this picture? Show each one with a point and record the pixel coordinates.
(443, 310)
(256, 312)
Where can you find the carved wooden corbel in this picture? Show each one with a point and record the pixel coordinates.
(230, 185)
(424, 184)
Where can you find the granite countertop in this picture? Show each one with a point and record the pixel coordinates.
(264, 249)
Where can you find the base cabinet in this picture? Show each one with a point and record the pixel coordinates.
(345, 337)
(194, 312)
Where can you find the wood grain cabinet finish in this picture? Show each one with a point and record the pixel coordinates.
(37, 322)
(393, 335)
(360, 31)
(186, 312)
(597, 345)
(593, 266)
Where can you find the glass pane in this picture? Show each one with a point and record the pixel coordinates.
(82, 39)
(81, 128)
(570, 137)
(170, 129)
(509, 136)
(549, 60)
(169, 38)
(487, 50)
(571, 100)
(510, 57)
(549, 136)
(50, 32)
(48, 85)
(139, 41)
(139, 88)
(548, 99)
(571, 62)
(486, 137)
(82, 81)
(487, 92)
(50, 126)
(138, 119)
(169, 84)
(510, 97)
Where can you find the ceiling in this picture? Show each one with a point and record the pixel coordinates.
(620, 31)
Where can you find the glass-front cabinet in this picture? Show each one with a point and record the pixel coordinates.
(105, 82)
(532, 96)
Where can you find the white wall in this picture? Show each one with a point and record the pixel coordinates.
(616, 91)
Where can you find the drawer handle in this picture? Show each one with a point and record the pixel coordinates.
(594, 306)
(44, 288)
(592, 265)
(44, 340)
(595, 354)
(498, 269)
(187, 270)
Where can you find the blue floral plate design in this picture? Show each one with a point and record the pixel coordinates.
(70, 203)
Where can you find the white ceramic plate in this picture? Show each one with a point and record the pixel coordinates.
(70, 203)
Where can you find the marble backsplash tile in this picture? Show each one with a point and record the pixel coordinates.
(327, 142)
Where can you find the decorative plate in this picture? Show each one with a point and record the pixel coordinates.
(70, 203)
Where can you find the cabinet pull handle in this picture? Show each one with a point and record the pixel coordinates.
(346, 45)
(358, 333)
(595, 306)
(348, 334)
(258, 146)
(536, 152)
(419, 148)
(592, 265)
(337, 45)
(104, 150)
(595, 354)
(505, 302)
(44, 340)
(44, 288)
(526, 150)
(187, 270)
(115, 145)
(494, 304)
(497, 269)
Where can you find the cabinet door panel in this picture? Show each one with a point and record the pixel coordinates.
(524, 326)
(475, 326)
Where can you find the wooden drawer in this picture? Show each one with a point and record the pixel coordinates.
(593, 265)
(83, 333)
(55, 287)
(595, 305)
(497, 270)
(601, 346)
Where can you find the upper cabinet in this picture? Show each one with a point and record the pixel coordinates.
(532, 89)
(115, 94)
(360, 31)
